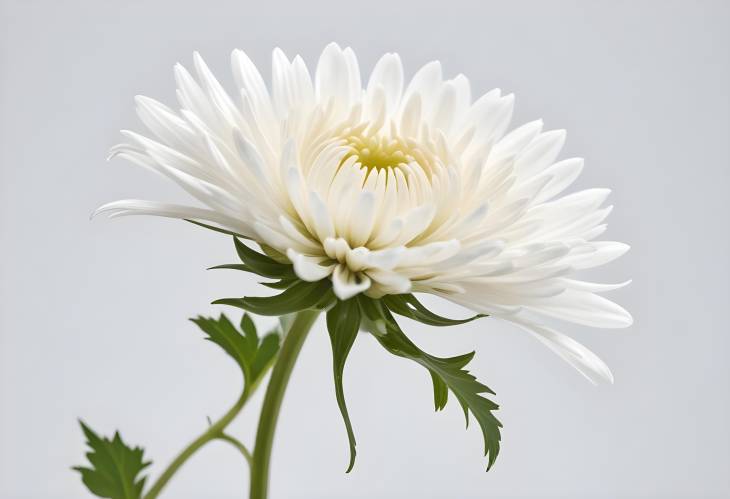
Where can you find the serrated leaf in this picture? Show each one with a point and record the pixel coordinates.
(449, 374)
(408, 305)
(115, 467)
(301, 295)
(268, 348)
(253, 355)
(343, 324)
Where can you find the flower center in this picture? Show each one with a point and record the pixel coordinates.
(380, 152)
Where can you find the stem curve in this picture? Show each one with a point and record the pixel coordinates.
(280, 375)
(214, 431)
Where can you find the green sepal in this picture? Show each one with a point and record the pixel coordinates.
(408, 305)
(216, 229)
(252, 354)
(449, 374)
(262, 264)
(280, 284)
(300, 296)
(285, 323)
(115, 467)
(233, 266)
(343, 324)
(274, 254)
(373, 315)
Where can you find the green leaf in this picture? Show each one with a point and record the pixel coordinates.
(301, 295)
(216, 229)
(115, 467)
(285, 323)
(449, 374)
(273, 254)
(281, 284)
(408, 305)
(262, 264)
(252, 354)
(343, 323)
(234, 266)
(373, 315)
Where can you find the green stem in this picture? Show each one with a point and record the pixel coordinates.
(238, 445)
(214, 431)
(272, 401)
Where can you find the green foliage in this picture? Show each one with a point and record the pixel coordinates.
(115, 467)
(446, 374)
(408, 305)
(253, 354)
(345, 318)
(262, 264)
(258, 263)
(299, 296)
(343, 324)
(214, 228)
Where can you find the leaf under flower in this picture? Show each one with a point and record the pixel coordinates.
(299, 296)
(214, 228)
(446, 374)
(343, 324)
(408, 305)
(262, 264)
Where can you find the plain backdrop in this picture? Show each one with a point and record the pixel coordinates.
(93, 313)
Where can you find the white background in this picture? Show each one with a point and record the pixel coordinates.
(93, 314)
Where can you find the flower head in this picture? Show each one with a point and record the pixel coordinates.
(386, 187)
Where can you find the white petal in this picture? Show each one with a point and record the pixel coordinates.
(333, 78)
(249, 79)
(222, 103)
(388, 75)
(575, 354)
(426, 82)
(540, 153)
(517, 139)
(346, 284)
(309, 268)
(320, 217)
(561, 175)
(390, 282)
(604, 252)
(362, 218)
(593, 287)
(141, 207)
(582, 307)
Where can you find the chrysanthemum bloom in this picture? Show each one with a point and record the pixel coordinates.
(386, 187)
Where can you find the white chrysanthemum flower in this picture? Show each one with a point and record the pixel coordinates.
(387, 188)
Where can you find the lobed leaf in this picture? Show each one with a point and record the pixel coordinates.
(252, 354)
(448, 374)
(115, 467)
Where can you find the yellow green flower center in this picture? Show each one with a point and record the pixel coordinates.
(380, 152)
